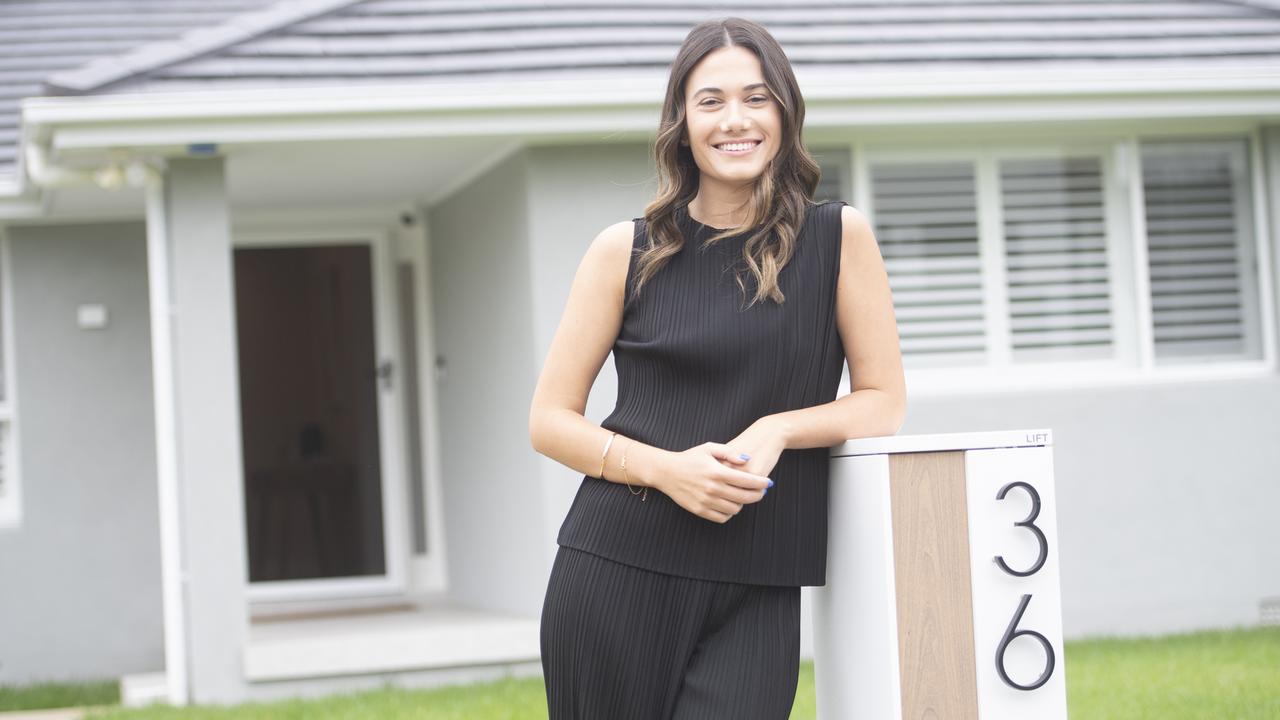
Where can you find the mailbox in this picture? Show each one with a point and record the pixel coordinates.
(942, 596)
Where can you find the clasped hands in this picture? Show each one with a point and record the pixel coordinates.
(714, 481)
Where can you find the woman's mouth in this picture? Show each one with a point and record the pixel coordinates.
(744, 147)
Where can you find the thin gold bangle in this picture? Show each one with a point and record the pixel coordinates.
(604, 454)
(627, 476)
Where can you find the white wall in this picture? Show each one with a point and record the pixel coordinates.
(80, 578)
(1167, 497)
(574, 193)
(480, 285)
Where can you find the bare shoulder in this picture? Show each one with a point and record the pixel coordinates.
(611, 248)
(857, 239)
(608, 259)
(616, 239)
(854, 222)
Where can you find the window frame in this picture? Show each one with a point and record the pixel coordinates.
(10, 464)
(1133, 362)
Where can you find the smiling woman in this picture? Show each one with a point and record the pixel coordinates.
(689, 606)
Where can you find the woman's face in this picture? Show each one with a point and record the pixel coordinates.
(732, 121)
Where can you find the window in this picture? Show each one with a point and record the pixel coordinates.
(834, 164)
(1200, 251)
(1027, 257)
(926, 220)
(1055, 242)
(10, 489)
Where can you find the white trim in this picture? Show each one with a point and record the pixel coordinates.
(1141, 262)
(646, 88)
(939, 442)
(432, 635)
(428, 573)
(474, 172)
(390, 425)
(950, 382)
(988, 204)
(173, 573)
(1120, 238)
(628, 105)
(11, 499)
(1262, 238)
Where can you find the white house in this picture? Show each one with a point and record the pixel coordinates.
(278, 279)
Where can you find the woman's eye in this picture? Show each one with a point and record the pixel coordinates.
(708, 101)
(758, 98)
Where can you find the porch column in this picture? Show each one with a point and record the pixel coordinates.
(198, 432)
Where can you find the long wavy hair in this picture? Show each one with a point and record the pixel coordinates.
(782, 193)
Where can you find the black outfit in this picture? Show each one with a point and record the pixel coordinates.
(652, 611)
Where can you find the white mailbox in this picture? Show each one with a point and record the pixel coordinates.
(942, 596)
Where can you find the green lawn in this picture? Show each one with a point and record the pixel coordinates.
(1213, 674)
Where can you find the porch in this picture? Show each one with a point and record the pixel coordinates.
(419, 642)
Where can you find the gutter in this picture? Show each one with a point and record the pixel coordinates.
(120, 168)
(167, 123)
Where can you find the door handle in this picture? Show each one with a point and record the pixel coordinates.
(384, 374)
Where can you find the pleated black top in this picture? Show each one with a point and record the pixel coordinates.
(693, 366)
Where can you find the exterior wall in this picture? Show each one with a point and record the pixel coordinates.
(1166, 499)
(575, 192)
(480, 287)
(207, 462)
(80, 597)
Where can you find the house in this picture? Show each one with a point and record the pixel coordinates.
(276, 282)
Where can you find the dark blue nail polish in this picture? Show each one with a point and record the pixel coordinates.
(744, 456)
(770, 483)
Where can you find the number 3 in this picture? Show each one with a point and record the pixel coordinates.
(1028, 523)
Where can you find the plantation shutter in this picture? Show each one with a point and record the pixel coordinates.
(1199, 249)
(10, 511)
(926, 221)
(829, 185)
(1056, 267)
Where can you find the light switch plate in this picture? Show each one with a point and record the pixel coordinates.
(91, 317)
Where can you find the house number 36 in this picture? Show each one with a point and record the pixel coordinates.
(1011, 632)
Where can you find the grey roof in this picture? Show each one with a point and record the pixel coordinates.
(334, 41)
(41, 37)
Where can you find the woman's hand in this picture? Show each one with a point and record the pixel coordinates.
(763, 443)
(704, 481)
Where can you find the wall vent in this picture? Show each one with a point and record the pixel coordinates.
(1269, 610)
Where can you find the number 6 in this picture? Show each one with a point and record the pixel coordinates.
(1009, 635)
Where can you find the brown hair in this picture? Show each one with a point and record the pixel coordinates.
(782, 193)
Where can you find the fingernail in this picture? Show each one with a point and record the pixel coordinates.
(766, 492)
(770, 483)
(744, 456)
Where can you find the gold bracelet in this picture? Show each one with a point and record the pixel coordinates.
(604, 454)
(627, 476)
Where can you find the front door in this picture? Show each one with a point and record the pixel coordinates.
(314, 451)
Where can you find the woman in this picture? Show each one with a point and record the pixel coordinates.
(729, 307)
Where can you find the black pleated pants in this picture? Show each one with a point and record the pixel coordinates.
(624, 643)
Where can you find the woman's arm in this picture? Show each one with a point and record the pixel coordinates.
(590, 324)
(702, 479)
(877, 403)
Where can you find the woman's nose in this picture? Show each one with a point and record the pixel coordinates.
(734, 118)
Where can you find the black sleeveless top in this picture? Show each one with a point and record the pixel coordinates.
(694, 367)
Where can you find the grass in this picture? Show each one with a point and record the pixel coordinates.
(1210, 674)
(58, 694)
